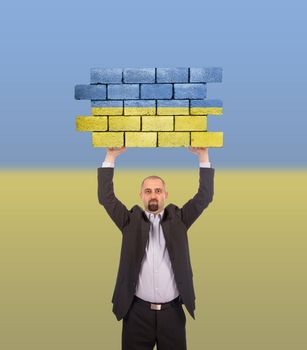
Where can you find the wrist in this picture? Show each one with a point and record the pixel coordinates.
(203, 159)
(109, 159)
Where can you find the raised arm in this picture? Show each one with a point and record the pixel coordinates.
(114, 207)
(195, 206)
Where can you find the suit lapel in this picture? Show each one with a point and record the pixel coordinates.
(145, 226)
(166, 226)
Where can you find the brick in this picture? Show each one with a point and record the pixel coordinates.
(190, 123)
(107, 139)
(191, 91)
(155, 123)
(139, 75)
(156, 91)
(123, 91)
(123, 123)
(140, 139)
(90, 92)
(172, 75)
(206, 139)
(85, 123)
(201, 107)
(107, 107)
(173, 107)
(108, 104)
(106, 75)
(206, 103)
(207, 111)
(107, 111)
(140, 107)
(206, 75)
(173, 139)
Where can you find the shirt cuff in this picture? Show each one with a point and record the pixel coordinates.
(204, 164)
(107, 165)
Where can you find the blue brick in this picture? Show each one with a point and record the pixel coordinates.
(123, 91)
(139, 75)
(156, 91)
(206, 103)
(206, 75)
(106, 75)
(173, 103)
(90, 92)
(172, 75)
(191, 91)
(107, 104)
(140, 103)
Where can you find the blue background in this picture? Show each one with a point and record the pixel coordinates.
(49, 47)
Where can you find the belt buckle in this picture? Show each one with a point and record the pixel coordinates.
(155, 306)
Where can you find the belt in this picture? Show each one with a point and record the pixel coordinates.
(156, 306)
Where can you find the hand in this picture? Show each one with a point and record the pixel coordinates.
(202, 152)
(113, 152)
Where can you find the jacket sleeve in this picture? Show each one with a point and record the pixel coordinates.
(192, 209)
(114, 207)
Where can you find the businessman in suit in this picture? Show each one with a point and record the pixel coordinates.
(155, 276)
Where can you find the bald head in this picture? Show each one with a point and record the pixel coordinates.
(153, 193)
(153, 177)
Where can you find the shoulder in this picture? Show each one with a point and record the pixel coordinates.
(173, 210)
(136, 209)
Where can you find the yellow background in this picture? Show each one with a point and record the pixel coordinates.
(59, 256)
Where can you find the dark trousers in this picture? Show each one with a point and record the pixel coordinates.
(143, 327)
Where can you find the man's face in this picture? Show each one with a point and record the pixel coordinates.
(153, 195)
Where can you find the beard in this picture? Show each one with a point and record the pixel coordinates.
(153, 206)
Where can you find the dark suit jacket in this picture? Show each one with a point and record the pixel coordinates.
(135, 225)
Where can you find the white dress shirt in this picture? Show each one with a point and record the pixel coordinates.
(156, 281)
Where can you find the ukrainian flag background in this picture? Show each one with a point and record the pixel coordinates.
(59, 251)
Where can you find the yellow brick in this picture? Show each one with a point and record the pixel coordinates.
(107, 110)
(173, 139)
(190, 123)
(108, 139)
(206, 139)
(156, 123)
(140, 139)
(173, 111)
(84, 123)
(140, 111)
(122, 123)
(207, 110)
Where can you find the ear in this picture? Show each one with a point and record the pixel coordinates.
(166, 194)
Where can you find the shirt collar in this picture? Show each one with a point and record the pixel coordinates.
(149, 213)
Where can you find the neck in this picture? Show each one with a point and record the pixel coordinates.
(154, 212)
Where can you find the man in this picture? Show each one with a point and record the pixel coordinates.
(155, 275)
